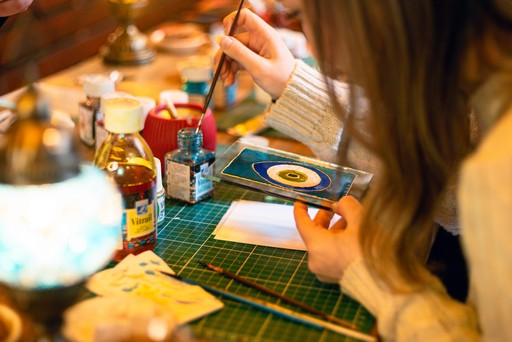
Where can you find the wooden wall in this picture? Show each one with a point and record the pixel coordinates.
(55, 34)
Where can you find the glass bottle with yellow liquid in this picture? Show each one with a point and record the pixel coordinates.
(128, 161)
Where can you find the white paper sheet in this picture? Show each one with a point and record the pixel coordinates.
(259, 223)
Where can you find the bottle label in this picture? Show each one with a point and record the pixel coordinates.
(160, 201)
(101, 134)
(86, 125)
(202, 185)
(178, 180)
(185, 182)
(139, 219)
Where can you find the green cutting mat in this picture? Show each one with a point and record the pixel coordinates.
(185, 237)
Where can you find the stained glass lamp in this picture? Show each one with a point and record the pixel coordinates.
(59, 220)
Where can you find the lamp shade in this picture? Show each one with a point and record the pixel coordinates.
(58, 234)
(59, 221)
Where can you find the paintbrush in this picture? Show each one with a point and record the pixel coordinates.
(306, 307)
(217, 71)
(278, 310)
(171, 108)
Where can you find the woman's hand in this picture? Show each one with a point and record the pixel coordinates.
(10, 7)
(330, 250)
(257, 48)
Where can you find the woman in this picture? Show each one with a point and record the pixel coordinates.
(422, 64)
(304, 111)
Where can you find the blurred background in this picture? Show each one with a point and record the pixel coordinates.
(53, 35)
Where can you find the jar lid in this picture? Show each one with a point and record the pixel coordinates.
(97, 85)
(112, 95)
(148, 103)
(123, 115)
(196, 69)
(196, 74)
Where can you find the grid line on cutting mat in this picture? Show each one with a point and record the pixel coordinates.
(186, 237)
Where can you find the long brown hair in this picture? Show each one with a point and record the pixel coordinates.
(406, 56)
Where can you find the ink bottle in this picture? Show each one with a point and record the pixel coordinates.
(225, 97)
(184, 168)
(128, 161)
(196, 75)
(89, 110)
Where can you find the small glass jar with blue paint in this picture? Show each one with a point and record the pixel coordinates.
(184, 168)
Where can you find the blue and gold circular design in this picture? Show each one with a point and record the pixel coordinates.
(292, 176)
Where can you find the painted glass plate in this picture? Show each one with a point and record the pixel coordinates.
(287, 175)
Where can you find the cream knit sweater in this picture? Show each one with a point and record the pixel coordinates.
(485, 198)
(304, 112)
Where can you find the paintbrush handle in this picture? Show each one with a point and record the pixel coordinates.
(301, 305)
(217, 71)
(283, 312)
(210, 91)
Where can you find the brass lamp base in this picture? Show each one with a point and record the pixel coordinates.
(127, 45)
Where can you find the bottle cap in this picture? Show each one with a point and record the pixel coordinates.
(148, 103)
(97, 85)
(196, 69)
(174, 96)
(159, 185)
(112, 95)
(196, 74)
(123, 115)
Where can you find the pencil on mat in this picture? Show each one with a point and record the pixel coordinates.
(313, 310)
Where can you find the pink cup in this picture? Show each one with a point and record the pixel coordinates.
(161, 133)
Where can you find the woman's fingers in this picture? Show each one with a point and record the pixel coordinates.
(231, 66)
(303, 221)
(10, 7)
(257, 48)
(350, 209)
(330, 251)
(340, 224)
(247, 21)
(323, 218)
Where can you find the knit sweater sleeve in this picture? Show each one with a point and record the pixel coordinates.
(485, 196)
(304, 112)
(427, 315)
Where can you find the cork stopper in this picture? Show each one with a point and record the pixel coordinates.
(97, 85)
(123, 115)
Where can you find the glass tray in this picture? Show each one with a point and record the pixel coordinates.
(287, 175)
